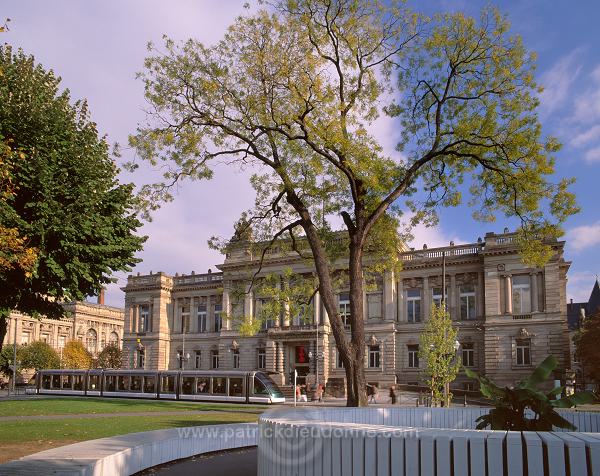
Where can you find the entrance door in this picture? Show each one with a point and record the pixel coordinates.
(301, 362)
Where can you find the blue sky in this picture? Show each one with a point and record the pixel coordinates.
(97, 47)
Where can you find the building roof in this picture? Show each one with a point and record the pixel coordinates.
(593, 305)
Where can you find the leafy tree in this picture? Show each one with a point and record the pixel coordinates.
(65, 209)
(111, 357)
(6, 358)
(511, 405)
(437, 349)
(293, 92)
(76, 356)
(587, 348)
(39, 355)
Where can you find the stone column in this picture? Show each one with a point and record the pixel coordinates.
(225, 308)
(508, 295)
(454, 312)
(389, 304)
(134, 319)
(533, 277)
(480, 296)
(317, 306)
(279, 350)
(400, 301)
(248, 301)
(426, 298)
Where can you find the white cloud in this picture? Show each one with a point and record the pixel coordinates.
(587, 136)
(433, 237)
(582, 237)
(592, 155)
(579, 285)
(557, 82)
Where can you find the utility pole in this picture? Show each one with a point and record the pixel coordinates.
(14, 382)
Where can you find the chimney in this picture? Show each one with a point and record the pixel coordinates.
(101, 297)
(571, 300)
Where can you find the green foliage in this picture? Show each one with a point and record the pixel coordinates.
(512, 404)
(76, 356)
(66, 199)
(587, 348)
(436, 349)
(6, 358)
(111, 357)
(39, 355)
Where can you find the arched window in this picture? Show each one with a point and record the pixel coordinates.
(91, 340)
(113, 339)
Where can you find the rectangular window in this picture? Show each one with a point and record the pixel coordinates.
(236, 358)
(201, 317)
(262, 359)
(523, 352)
(436, 296)
(338, 361)
(198, 359)
(521, 294)
(467, 302)
(214, 359)
(219, 384)
(263, 312)
(344, 307)
(236, 387)
(218, 319)
(374, 307)
(25, 338)
(468, 354)
(62, 340)
(413, 304)
(185, 319)
(203, 385)
(374, 356)
(187, 385)
(144, 318)
(413, 356)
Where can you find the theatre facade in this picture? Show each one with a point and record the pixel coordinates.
(510, 316)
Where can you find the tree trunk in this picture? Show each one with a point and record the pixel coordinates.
(3, 328)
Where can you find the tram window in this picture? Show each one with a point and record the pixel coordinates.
(94, 382)
(202, 385)
(123, 383)
(259, 388)
(187, 385)
(78, 382)
(149, 385)
(46, 382)
(67, 382)
(236, 387)
(56, 381)
(218, 385)
(168, 384)
(111, 383)
(136, 383)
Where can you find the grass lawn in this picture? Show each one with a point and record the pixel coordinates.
(22, 437)
(67, 405)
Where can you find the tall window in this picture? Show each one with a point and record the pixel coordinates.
(236, 358)
(468, 354)
(436, 295)
(413, 356)
(374, 356)
(198, 359)
(62, 340)
(374, 306)
(144, 318)
(25, 338)
(467, 302)
(91, 340)
(521, 294)
(263, 311)
(262, 359)
(181, 359)
(413, 305)
(141, 358)
(344, 307)
(113, 339)
(338, 360)
(185, 319)
(214, 359)
(218, 319)
(201, 317)
(523, 352)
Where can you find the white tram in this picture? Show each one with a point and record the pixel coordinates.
(211, 385)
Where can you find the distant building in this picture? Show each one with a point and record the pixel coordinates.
(95, 325)
(510, 316)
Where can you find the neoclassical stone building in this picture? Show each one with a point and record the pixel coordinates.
(95, 325)
(510, 316)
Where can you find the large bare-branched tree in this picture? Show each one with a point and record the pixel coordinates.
(292, 92)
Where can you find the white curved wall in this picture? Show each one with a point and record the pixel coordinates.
(418, 441)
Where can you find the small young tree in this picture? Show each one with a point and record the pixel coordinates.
(111, 357)
(437, 349)
(6, 359)
(76, 356)
(587, 348)
(39, 355)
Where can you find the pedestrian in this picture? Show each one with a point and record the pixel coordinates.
(393, 394)
(297, 393)
(320, 393)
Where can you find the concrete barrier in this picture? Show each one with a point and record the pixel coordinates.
(128, 454)
(418, 442)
